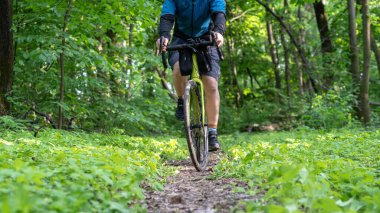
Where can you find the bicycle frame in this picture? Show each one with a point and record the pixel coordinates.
(195, 76)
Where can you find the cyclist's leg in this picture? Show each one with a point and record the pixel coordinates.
(212, 110)
(212, 100)
(179, 80)
(210, 82)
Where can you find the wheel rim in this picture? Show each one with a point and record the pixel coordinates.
(196, 131)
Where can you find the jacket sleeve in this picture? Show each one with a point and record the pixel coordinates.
(218, 15)
(168, 8)
(219, 20)
(166, 25)
(218, 6)
(167, 18)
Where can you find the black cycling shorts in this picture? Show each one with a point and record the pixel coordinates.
(215, 67)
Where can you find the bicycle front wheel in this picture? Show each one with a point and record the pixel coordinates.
(196, 129)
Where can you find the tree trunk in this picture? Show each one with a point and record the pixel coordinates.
(299, 76)
(376, 51)
(129, 62)
(301, 41)
(353, 43)
(287, 66)
(6, 54)
(62, 63)
(323, 26)
(15, 12)
(305, 62)
(250, 77)
(354, 51)
(230, 61)
(233, 70)
(237, 86)
(273, 54)
(326, 45)
(286, 54)
(364, 87)
(114, 77)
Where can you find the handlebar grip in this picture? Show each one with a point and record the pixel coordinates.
(164, 62)
(220, 53)
(163, 56)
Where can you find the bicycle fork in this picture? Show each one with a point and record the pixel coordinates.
(201, 98)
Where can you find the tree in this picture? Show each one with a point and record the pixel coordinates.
(6, 54)
(62, 64)
(326, 44)
(364, 86)
(305, 61)
(233, 69)
(108, 71)
(375, 50)
(286, 54)
(230, 44)
(353, 42)
(273, 54)
(323, 26)
(301, 41)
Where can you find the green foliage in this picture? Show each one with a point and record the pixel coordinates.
(306, 170)
(10, 123)
(249, 50)
(332, 110)
(110, 70)
(105, 76)
(259, 111)
(299, 171)
(77, 172)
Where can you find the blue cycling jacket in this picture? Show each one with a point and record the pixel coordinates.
(193, 16)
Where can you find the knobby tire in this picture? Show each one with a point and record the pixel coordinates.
(196, 130)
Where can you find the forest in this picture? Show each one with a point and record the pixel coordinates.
(87, 110)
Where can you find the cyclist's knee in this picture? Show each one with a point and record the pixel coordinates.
(176, 70)
(213, 89)
(211, 84)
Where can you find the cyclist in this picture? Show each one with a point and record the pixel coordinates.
(194, 19)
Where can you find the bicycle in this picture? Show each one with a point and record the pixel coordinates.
(194, 103)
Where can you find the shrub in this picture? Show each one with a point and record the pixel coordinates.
(331, 110)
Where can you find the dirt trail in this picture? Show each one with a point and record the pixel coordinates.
(192, 191)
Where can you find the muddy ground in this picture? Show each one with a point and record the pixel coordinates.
(192, 191)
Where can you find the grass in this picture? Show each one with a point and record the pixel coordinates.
(299, 171)
(78, 172)
(306, 170)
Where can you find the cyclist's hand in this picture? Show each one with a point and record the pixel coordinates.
(219, 39)
(164, 44)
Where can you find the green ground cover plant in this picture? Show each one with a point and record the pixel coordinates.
(302, 170)
(306, 170)
(78, 172)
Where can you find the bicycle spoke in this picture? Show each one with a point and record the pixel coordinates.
(195, 129)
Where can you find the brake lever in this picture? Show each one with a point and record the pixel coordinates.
(163, 55)
(220, 53)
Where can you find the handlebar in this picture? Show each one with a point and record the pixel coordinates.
(189, 45)
(194, 45)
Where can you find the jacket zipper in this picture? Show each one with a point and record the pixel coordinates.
(192, 19)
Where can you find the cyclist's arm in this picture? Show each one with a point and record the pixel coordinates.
(218, 15)
(219, 20)
(166, 25)
(167, 18)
